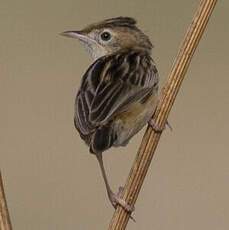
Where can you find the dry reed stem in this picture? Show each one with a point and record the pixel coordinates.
(150, 140)
(5, 223)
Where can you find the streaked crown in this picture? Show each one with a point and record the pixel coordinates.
(112, 35)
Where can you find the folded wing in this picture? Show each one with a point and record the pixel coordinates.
(110, 86)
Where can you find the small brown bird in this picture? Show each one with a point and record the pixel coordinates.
(118, 92)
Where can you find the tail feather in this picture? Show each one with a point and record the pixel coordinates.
(102, 139)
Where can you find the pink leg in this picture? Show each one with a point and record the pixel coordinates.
(114, 198)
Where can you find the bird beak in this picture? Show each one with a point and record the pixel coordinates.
(74, 34)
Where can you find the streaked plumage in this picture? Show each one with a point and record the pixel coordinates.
(114, 92)
(118, 92)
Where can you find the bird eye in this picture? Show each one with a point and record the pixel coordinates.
(105, 36)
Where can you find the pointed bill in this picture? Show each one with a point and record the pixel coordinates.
(74, 34)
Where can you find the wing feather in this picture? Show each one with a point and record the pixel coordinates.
(110, 85)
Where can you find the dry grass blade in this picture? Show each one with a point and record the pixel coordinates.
(150, 140)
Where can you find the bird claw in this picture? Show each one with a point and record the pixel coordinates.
(120, 191)
(170, 126)
(156, 127)
(117, 200)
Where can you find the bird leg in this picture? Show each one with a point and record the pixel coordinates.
(158, 129)
(114, 198)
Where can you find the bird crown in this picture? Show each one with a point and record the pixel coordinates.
(114, 22)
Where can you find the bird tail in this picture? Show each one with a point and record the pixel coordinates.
(102, 139)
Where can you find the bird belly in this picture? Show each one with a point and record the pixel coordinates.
(131, 121)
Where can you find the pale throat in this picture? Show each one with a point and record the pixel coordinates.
(95, 50)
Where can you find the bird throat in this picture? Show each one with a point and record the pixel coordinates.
(93, 49)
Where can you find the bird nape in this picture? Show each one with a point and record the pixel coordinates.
(119, 91)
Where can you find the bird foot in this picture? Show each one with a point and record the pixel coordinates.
(170, 126)
(116, 199)
(156, 127)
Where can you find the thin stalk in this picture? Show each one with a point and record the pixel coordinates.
(151, 138)
(5, 223)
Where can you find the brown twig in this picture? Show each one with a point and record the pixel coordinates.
(151, 138)
(5, 223)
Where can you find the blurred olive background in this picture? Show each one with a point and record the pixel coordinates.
(51, 181)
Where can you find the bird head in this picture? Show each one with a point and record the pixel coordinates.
(110, 36)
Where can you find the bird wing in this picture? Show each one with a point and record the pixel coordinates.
(110, 85)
